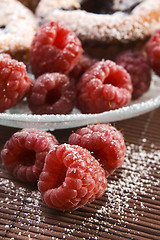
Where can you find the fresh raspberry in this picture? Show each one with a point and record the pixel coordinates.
(52, 93)
(139, 69)
(82, 66)
(55, 48)
(153, 51)
(14, 82)
(104, 86)
(105, 142)
(71, 178)
(24, 153)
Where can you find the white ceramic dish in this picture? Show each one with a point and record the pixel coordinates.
(20, 116)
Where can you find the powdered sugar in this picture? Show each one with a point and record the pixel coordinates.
(127, 189)
(19, 27)
(105, 27)
(129, 197)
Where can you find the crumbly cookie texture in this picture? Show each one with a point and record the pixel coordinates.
(140, 23)
(17, 28)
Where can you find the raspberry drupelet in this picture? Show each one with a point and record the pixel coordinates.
(55, 48)
(82, 66)
(152, 49)
(104, 86)
(24, 153)
(52, 93)
(71, 178)
(105, 142)
(138, 67)
(14, 82)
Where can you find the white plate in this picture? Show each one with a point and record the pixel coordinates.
(20, 116)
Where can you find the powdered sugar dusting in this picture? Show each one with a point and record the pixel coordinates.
(25, 204)
(20, 26)
(126, 189)
(124, 202)
(105, 27)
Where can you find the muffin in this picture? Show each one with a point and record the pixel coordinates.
(105, 27)
(17, 28)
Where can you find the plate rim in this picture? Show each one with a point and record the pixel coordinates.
(78, 119)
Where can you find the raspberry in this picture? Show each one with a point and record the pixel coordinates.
(71, 178)
(84, 63)
(138, 67)
(105, 142)
(153, 51)
(52, 93)
(104, 86)
(55, 48)
(24, 153)
(14, 82)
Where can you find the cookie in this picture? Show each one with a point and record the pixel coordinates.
(111, 25)
(17, 28)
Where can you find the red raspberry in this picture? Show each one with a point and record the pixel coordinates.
(104, 86)
(138, 67)
(105, 142)
(71, 178)
(153, 51)
(83, 65)
(24, 153)
(14, 82)
(55, 48)
(52, 93)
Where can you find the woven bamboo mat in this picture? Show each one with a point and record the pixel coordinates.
(130, 208)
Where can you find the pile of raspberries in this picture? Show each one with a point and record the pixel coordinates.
(68, 175)
(65, 77)
(72, 174)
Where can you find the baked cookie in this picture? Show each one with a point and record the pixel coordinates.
(115, 24)
(17, 28)
(32, 4)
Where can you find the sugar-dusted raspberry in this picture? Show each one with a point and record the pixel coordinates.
(14, 82)
(104, 86)
(52, 93)
(83, 65)
(153, 51)
(5, 56)
(105, 142)
(55, 48)
(138, 67)
(71, 178)
(24, 153)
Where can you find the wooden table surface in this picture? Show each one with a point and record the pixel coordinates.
(129, 209)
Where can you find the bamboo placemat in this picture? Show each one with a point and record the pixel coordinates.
(130, 208)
